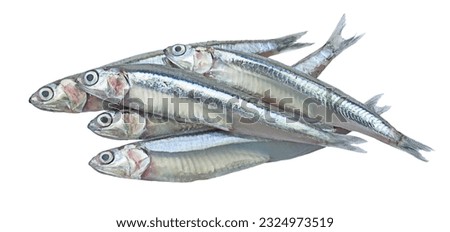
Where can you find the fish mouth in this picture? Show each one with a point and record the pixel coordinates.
(167, 61)
(166, 53)
(33, 100)
(48, 106)
(93, 163)
(96, 165)
(91, 126)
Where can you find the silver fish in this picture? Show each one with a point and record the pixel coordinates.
(130, 124)
(201, 60)
(312, 97)
(63, 96)
(208, 62)
(188, 96)
(194, 157)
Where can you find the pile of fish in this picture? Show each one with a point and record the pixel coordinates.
(207, 109)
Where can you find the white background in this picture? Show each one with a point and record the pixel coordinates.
(46, 183)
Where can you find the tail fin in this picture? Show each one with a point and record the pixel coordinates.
(405, 144)
(372, 105)
(337, 42)
(314, 64)
(287, 43)
(413, 147)
(346, 141)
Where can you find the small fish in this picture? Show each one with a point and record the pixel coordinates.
(64, 96)
(190, 97)
(316, 99)
(193, 157)
(130, 124)
(201, 60)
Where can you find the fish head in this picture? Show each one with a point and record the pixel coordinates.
(61, 96)
(128, 161)
(119, 124)
(110, 84)
(197, 59)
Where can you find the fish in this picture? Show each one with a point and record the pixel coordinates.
(312, 98)
(64, 96)
(198, 60)
(202, 60)
(130, 124)
(188, 158)
(194, 98)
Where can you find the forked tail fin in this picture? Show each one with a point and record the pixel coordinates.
(337, 42)
(316, 62)
(413, 147)
(287, 43)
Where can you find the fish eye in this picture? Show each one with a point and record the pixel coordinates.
(104, 119)
(106, 157)
(45, 93)
(90, 78)
(178, 49)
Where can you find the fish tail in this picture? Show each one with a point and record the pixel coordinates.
(346, 142)
(337, 42)
(413, 147)
(372, 105)
(287, 43)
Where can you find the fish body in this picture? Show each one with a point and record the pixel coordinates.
(130, 124)
(183, 95)
(63, 95)
(316, 99)
(193, 157)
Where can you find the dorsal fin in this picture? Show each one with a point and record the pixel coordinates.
(372, 105)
